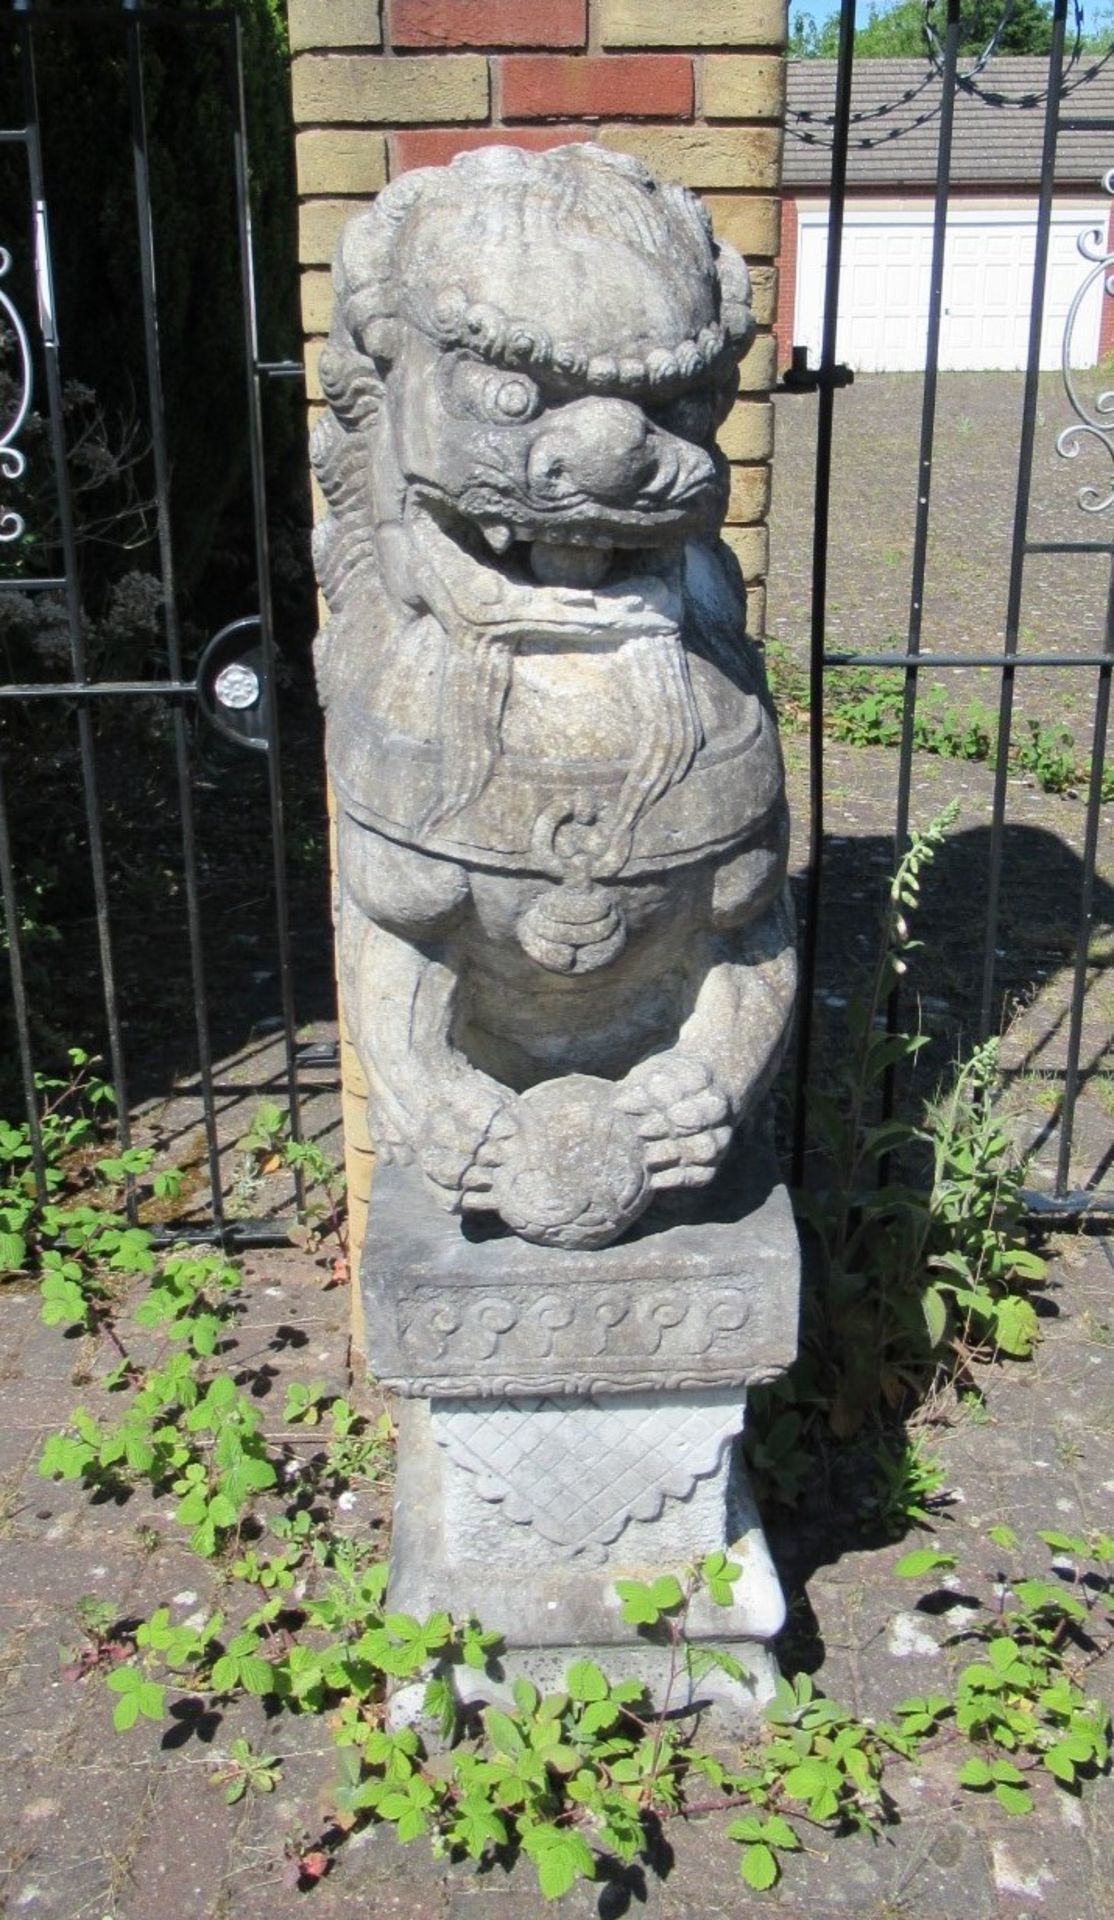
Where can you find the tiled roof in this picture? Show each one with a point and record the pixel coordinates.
(895, 123)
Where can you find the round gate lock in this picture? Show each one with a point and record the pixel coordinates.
(230, 683)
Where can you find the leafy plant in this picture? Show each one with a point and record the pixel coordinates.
(864, 707)
(267, 1147)
(573, 1779)
(1021, 1704)
(246, 1769)
(911, 1488)
(915, 1273)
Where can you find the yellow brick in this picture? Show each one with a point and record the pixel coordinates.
(353, 1107)
(351, 1071)
(743, 86)
(748, 431)
(341, 162)
(359, 1165)
(313, 378)
(763, 293)
(392, 93)
(749, 222)
(756, 607)
(317, 301)
(704, 156)
(751, 547)
(692, 23)
(319, 228)
(334, 23)
(758, 372)
(750, 495)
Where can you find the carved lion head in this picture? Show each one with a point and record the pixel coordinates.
(529, 359)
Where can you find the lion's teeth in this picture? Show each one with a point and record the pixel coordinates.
(498, 537)
(558, 564)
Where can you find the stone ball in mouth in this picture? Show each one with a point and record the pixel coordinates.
(558, 563)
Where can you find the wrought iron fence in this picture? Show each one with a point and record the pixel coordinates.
(231, 682)
(1095, 425)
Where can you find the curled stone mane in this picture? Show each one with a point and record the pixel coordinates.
(501, 195)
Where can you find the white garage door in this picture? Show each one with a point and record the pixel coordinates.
(988, 272)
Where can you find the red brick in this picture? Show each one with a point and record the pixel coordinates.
(488, 23)
(540, 86)
(435, 146)
(787, 282)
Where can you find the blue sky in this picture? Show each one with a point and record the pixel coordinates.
(1094, 11)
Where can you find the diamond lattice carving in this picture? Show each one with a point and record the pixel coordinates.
(580, 1471)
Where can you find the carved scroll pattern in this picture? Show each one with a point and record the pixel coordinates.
(574, 1327)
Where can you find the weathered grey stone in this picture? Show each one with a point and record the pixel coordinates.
(565, 952)
(703, 1298)
(662, 1485)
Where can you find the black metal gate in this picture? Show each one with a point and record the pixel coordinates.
(912, 659)
(230, 682)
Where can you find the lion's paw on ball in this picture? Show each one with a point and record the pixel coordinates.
(573, 1175)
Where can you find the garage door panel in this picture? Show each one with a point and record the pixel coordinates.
(988, 269)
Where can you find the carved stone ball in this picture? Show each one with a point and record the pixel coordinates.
(575, 1167)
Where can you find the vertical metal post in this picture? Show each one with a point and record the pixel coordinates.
(824, 427)
(68, 539)
(928, 419)
(19, 996)
(161, 463)
(1021, 506)
(1087, 900)
(924, 492)
(263, 572)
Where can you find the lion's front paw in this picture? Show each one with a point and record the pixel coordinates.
(682, 1116)
(471, 1120)
(570, 1173)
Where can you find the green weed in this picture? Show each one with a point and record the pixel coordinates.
(864, 707)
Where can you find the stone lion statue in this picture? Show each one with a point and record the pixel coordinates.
(566, 955)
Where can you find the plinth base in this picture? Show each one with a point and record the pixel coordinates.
(573, 1418)
(465, 1543)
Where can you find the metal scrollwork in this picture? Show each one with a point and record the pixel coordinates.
(12, 461)
(1096, 421)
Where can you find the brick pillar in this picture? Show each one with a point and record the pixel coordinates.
(696, 90)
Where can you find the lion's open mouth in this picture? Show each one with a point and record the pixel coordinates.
(578, 578)
(561, 557)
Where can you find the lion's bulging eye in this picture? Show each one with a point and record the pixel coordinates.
(475, 390)
(515, 398)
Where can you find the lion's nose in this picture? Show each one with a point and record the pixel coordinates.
(594, 448)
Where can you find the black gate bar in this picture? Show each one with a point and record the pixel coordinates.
(826, 381)
(51, 351)
(79, 690)
(913, 660)
(161, 458)
(1021, 502)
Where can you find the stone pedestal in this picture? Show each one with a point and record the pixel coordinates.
(574, 1419)
(565, 939)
